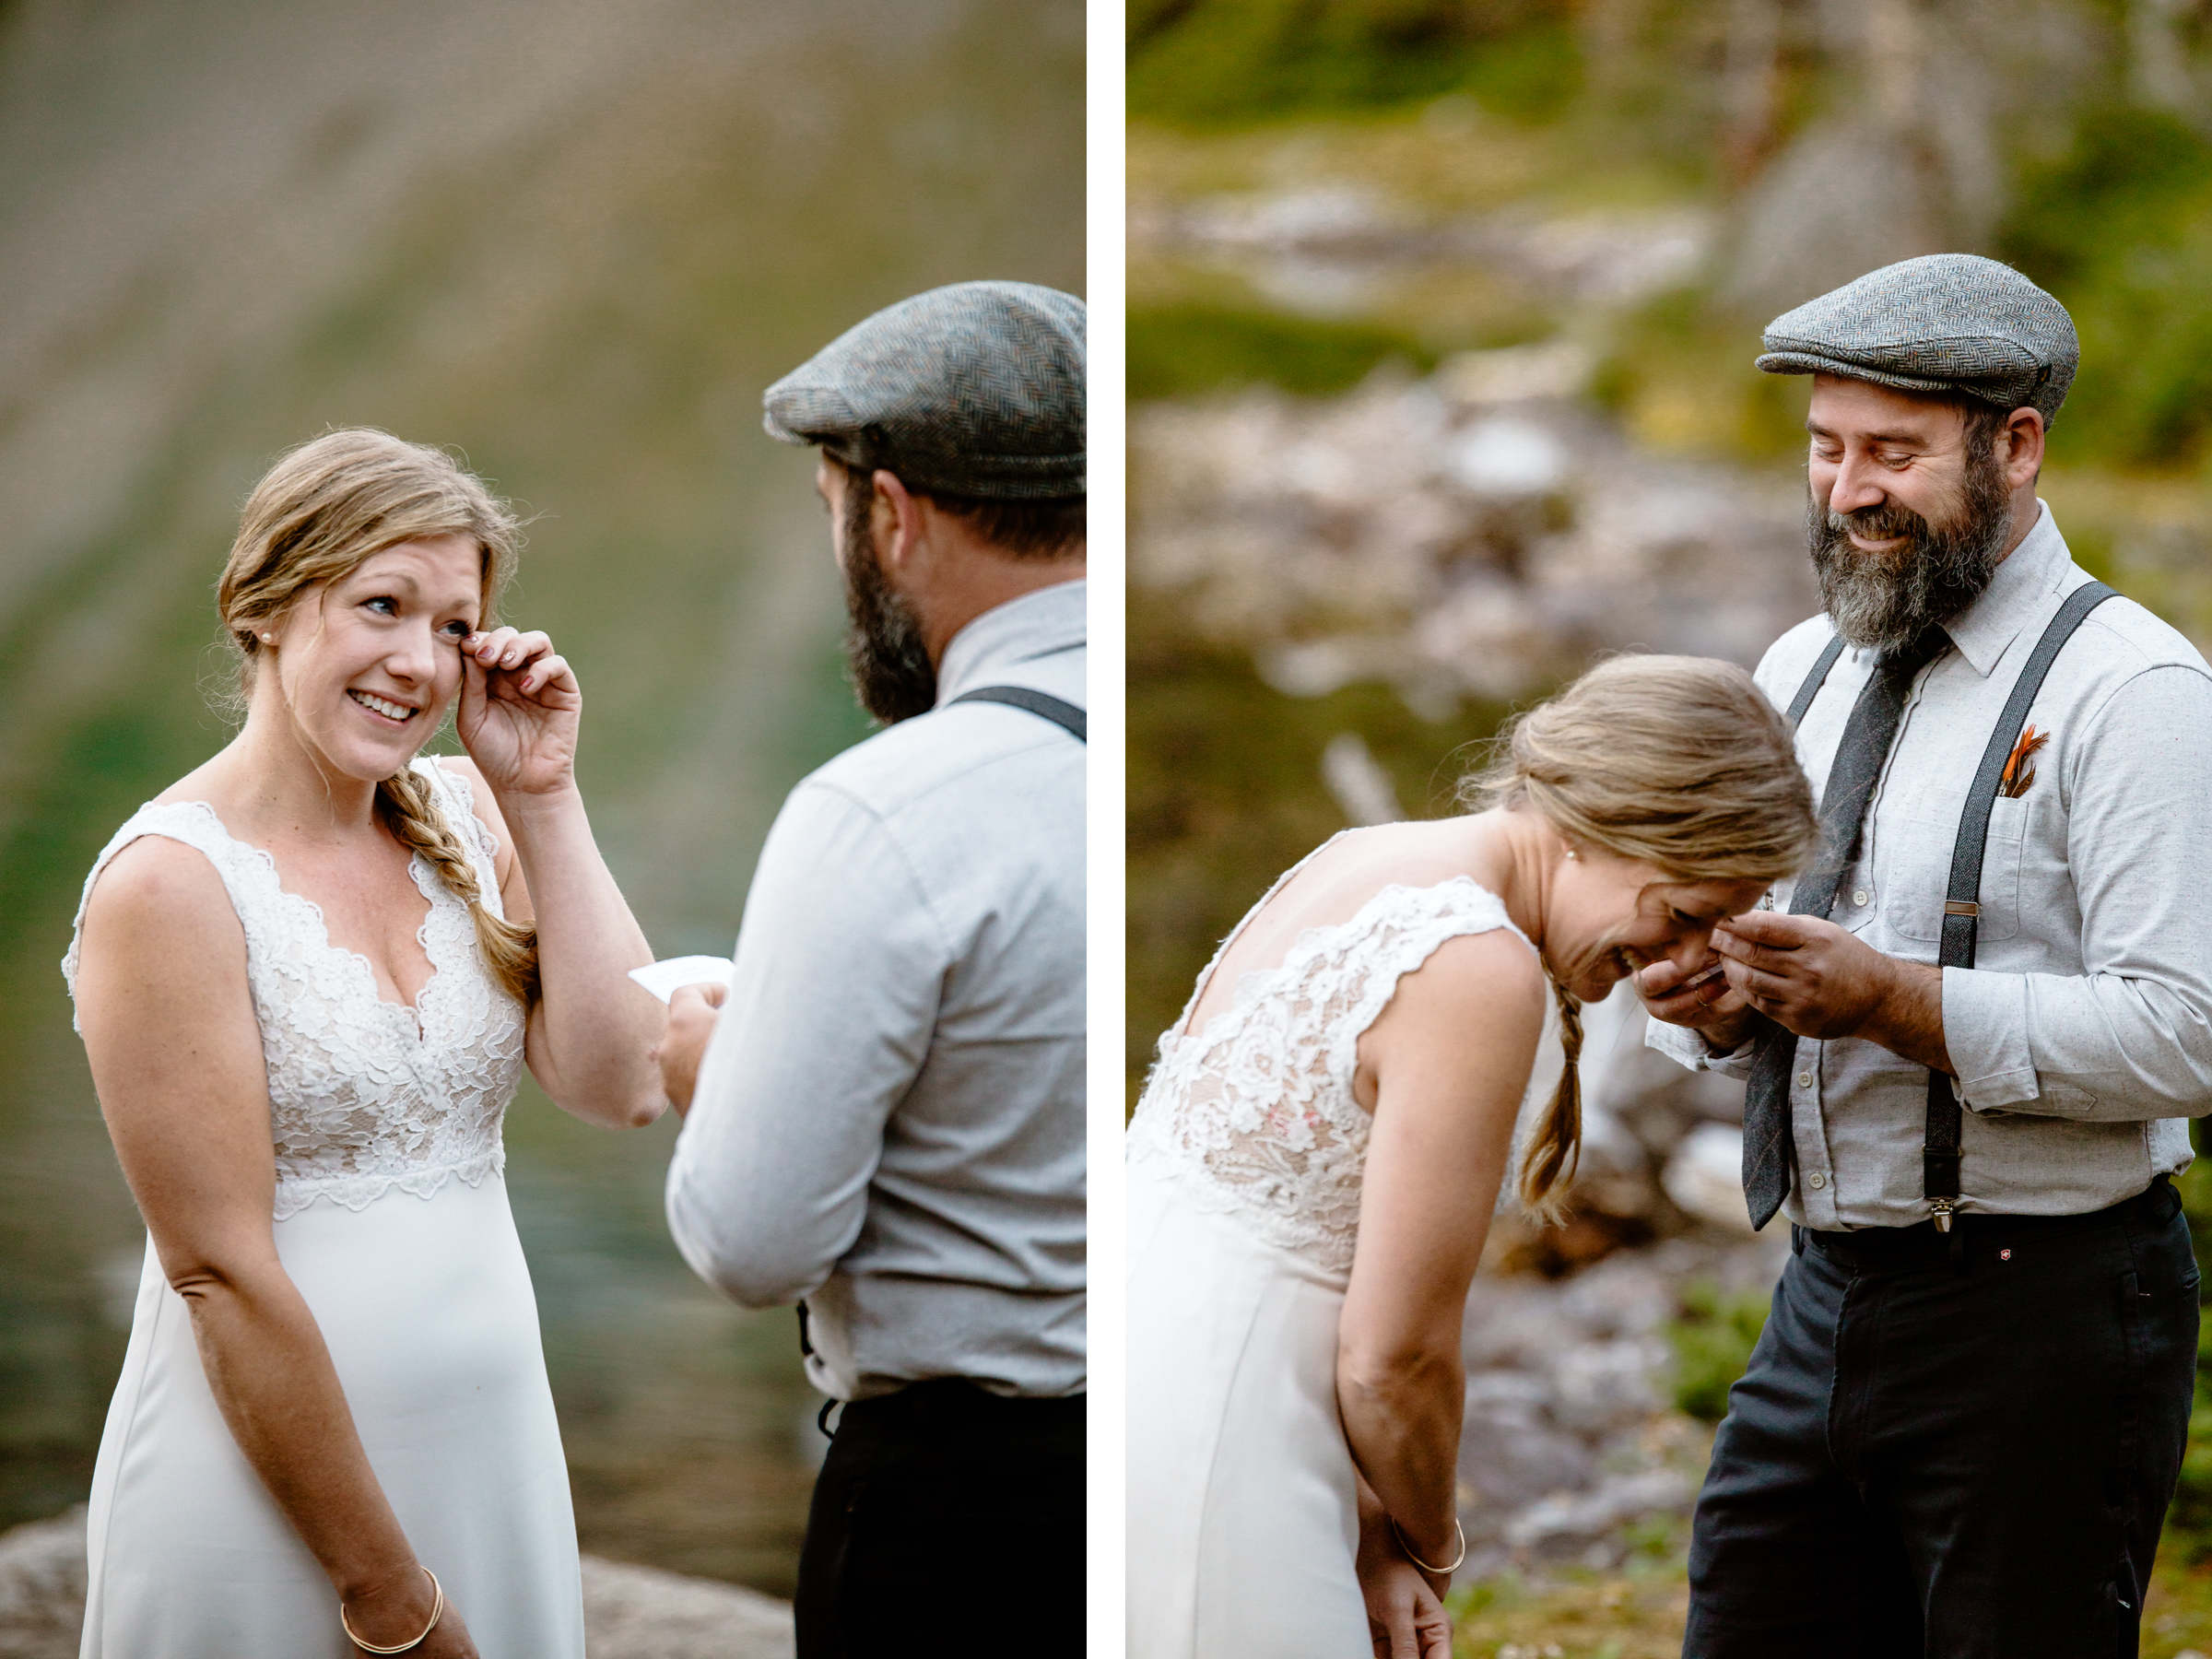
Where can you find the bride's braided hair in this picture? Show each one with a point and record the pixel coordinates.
(1677, 762)
(320, 511)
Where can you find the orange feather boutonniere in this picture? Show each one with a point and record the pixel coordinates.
(2019, 774)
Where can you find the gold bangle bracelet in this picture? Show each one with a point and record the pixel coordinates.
(1399, 1533)
(436, 1613)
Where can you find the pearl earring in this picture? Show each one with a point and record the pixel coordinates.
(268, 639)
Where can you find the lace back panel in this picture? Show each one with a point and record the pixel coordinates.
(1257, 1106)
(362, 1099)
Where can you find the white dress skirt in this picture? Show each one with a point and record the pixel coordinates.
(391, 1217)
(1243, 1501)
(1245, 1160)
(425, 1307)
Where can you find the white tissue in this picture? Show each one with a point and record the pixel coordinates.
(664, 979)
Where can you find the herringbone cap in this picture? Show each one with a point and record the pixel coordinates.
(1954, 324)
(975, 390)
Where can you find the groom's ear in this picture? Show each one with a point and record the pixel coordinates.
(894, 521)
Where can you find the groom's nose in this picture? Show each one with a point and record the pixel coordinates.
(1855, 486)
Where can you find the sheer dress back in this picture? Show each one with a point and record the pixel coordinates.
(1257, 1108)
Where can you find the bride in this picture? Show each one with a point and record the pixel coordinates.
(1316, 1156)
(308, 975)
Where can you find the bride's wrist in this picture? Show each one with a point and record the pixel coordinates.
(389, 1606)
(537, 805)
(1434, 1549)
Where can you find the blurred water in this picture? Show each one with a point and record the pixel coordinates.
(574, 240)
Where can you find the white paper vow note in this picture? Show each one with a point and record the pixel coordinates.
(664, 979)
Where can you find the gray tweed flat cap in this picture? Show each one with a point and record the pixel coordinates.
(1948, 323)
(975, 390)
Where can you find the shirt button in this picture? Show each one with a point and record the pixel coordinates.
(1815, 1181)
(1860, 896)
(1805, 1079)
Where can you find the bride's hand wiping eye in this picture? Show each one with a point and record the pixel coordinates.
(518, 713)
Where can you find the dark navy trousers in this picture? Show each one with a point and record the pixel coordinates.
(1953, 1446)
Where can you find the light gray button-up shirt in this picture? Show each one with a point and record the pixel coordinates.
(2082, 1036)
(888, 1120)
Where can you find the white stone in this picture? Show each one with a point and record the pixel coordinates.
(1705, 1176)
(1504, 456)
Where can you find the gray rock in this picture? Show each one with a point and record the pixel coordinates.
(642, 1613)
(1565, 1525)
(43, 1587)
(1601, 1386)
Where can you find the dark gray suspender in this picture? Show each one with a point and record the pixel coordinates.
(1065, 715)
(1811, 688)
(1961, 906)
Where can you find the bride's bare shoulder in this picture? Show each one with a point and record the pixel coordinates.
(1422, 854)
(156, 891)
(1478, 996)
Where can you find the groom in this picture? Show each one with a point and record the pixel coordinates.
(885, 1118)
(1970, 1032)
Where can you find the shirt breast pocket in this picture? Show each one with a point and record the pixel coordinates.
(1920, 874)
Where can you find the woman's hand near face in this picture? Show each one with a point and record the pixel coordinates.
(520, 705)
(1700, 999)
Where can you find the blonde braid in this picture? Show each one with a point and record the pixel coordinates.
(1556, 1149)
(510, 947)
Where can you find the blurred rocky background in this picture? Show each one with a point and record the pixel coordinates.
(573, 240)
(1442, 314)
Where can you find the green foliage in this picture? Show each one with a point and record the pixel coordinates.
(1182, 349)
(1680, 372)
(2120, 227)
(1226, 793)
(1210, 61)
(1714, 1336)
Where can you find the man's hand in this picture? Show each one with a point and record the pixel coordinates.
(692, 1012)
(1700, 999)
(1817, 980)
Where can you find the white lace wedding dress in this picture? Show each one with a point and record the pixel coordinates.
(391, 1218)
(1245, 1155)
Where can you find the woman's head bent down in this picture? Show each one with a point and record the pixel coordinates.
(1673, 787)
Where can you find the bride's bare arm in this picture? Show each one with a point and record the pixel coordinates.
(592, 1034)
(1447, 1063)
(176, 1057)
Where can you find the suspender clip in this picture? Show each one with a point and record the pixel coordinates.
(1940, 1209)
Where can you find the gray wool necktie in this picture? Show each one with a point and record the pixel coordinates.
(1851, 779)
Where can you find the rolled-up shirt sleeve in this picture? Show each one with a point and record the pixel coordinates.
(840, 967)
(1686, 1047)
(2131, 1037)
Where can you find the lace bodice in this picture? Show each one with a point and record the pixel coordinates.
(1257, 1107)
(363, 1100)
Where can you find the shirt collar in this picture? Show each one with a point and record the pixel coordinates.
(2014, 596)
(1038, 624)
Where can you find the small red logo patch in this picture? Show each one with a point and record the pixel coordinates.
(2004, 1256)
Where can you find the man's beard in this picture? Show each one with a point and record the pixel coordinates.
(889, 665)
(1885, 601)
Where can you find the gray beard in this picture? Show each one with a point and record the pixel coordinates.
(1883, 602)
